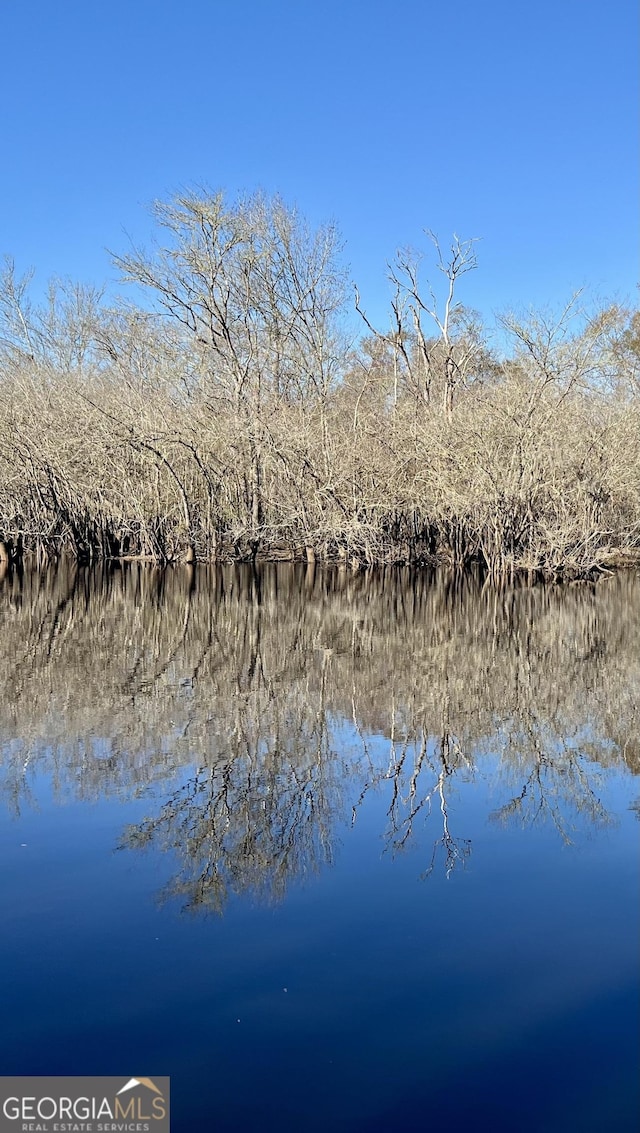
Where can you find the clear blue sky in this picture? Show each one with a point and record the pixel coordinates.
(511, 122)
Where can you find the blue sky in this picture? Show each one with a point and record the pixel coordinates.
(510, 122)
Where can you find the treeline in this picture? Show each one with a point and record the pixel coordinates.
(230, 414)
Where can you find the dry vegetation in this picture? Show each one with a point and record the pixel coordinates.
(278, 698)
(232, 418)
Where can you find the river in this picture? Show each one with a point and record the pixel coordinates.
(334, 851)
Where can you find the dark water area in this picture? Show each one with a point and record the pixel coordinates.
(333, 851)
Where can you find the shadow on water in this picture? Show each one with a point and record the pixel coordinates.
(266, 704)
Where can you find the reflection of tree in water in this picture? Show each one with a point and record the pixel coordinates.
(552, 777)
(277, 699)
(259, 812)
(429, 782)
(419, 773)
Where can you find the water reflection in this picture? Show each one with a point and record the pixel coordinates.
(271, 702)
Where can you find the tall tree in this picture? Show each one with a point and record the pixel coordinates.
(257, 292)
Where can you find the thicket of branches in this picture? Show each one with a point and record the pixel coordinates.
(229, 415)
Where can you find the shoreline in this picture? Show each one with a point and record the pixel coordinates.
(606, 565)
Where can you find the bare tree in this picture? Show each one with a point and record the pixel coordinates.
(256, 291)
(458, 348)
(442, 351)
(59, 334)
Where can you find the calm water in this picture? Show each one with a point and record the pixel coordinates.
(332, 851)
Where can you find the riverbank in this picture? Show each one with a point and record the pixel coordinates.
(233, 419)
